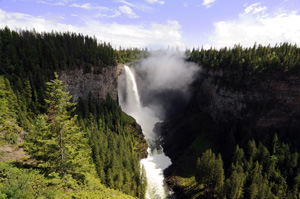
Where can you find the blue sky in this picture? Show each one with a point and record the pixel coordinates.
(161, 23)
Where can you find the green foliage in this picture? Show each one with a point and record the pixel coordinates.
(254, 171)
(256, 59)
(61, 146)
(256, 174)
(18, 183)
(234, 185)
(28, 59)
(9, 129)
(114, 145)
(244, 63)
(61, 150)
(57, 142)
(210, 172)
(131, 54)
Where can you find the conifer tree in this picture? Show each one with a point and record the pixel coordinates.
(234, 187)
(4, 110)
(8, 112)
(218, 176)
(57, 142)
(210, 172)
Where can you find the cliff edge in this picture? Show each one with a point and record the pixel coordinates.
(99, 84)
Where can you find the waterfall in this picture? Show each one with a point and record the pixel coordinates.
(133, 94)
(156, 161)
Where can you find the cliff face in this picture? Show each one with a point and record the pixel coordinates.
(274, 100)
(224, 112)
(219, 102)
(80, 84)
(285, 94)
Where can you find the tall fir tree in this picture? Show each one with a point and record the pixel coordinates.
(57, 142)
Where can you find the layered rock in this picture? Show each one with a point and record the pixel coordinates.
(80, 84)
(274, 100)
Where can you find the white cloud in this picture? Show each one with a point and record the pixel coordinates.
(55, 2)
(208, 3)
(128, 11)
(115, 13)
(153, 35)
(103, 11)
(185, 4)
(254, 9)
(52, 4)
(138, 6)
(254, 25)
(156, 1)
(88, 6)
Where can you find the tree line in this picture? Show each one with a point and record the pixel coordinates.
(235, 159)
(116, 147)
(88, 149)
(251, 60)
(245, 63)
(29, 59)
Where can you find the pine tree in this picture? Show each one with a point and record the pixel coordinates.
(57, 143)
(234, 187)
(218, 176)
(205, 167)
(210, 172)
(4, 110)
(8, 112)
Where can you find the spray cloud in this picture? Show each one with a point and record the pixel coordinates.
(164, 78)
(161, 79)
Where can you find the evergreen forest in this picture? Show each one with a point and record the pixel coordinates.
(236, 158)
(92, 149)
(89, 149)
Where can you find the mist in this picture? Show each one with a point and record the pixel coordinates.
(164, 78)
(157, 87)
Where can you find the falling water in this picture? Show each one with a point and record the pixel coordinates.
(156, 161)
(133, 94)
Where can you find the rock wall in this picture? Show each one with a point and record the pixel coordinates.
(284, 90)
(80, 84)
(274, 100)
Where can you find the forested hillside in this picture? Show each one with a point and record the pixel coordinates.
(237, 138)
(62, 149)
(29, 59)
(239, 135)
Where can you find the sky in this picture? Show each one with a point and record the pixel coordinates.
(156, 24)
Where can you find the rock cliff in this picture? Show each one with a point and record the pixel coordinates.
(225, 111)
(80, 84)
(273, 100)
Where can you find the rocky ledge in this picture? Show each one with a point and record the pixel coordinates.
(273, 100)
(80, 84)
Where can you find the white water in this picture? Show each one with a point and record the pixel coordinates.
(156, 161)
(133, 94)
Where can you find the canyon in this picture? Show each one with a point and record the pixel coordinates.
(99, 84)
(268, 102)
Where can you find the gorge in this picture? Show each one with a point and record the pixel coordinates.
(206, 105)
(156, 161)
(227, 120)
